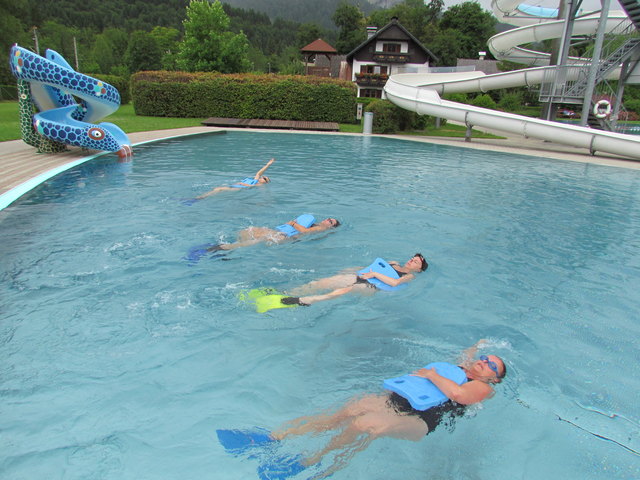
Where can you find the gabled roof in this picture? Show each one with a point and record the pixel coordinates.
(319, 46)
(393, 22)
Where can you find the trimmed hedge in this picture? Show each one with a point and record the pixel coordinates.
(389, 118)
(120, 83)
(273, 97)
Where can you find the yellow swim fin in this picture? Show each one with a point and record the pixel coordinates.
(271, 302)
(264, 299)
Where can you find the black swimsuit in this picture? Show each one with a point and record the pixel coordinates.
(432, 416)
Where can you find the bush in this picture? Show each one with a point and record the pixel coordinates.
(456, 97)
(633, 105)
(275, 97)
(388, 118)
(120, 83)
(510, 102)
(484, 101)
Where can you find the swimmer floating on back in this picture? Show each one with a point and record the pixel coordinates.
(303, 225)
(366, 418)
(257, 180)
(352, 281)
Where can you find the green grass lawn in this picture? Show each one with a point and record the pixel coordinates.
(125, 118)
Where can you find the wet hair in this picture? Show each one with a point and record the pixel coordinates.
(337, 222)
(504, 370)
(425, 265)
(265, 178)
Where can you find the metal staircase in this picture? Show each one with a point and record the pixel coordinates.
(613, 61)
(632, 7)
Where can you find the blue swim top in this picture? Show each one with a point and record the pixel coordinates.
(422, 393)
(306, 220)
(248, 180)
(380, 265)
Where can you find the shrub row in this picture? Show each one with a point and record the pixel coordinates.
(275, 97)
(389, 118)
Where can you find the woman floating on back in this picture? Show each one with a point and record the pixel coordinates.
(258, 180)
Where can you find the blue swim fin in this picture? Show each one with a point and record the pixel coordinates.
(280, 468)
(194, 254)
(189, 201)
(239, 441)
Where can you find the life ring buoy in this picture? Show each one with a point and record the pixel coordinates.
(602, 109)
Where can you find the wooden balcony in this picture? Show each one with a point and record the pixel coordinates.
(391, 57)
(371, 79)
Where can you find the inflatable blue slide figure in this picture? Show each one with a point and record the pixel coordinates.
(53, 87)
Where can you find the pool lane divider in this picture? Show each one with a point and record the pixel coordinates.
(10, 196)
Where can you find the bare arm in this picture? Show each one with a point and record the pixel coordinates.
(263, 169)
(468, 393)
(394, 282)
(466, 357)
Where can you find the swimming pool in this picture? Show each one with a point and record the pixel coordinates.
(119, 361)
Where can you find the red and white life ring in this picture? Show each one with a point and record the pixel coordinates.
(602, 109)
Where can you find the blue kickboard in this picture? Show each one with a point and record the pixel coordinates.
(281, 468)
(380, 265)
(422, 393)
(239, 441)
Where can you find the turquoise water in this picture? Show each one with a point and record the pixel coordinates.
(119, 361)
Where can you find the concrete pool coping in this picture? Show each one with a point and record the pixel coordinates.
(24, 169)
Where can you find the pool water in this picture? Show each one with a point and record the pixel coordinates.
(119, 360)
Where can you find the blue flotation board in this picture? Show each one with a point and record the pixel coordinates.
(248, 180)
(306, 220)
(422, 393)
(380, 265)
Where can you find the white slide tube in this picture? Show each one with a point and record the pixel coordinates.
(421, 92)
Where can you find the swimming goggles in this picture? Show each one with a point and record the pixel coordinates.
(492, 365)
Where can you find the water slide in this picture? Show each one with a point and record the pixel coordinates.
(53, 86)
(420, 92)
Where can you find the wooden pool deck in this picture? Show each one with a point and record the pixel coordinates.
(275, 124)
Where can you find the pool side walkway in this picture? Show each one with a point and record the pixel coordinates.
(23, 168)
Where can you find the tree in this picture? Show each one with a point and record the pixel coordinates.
(350, 20)
(143, 52)
(414, 15)
(167, 40)
(475, 24)
(208, 43)
(109, 49)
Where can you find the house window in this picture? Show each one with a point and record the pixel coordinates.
(371, 93)
(375, 69)
(391, 47)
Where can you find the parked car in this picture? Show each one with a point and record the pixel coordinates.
(566, 113)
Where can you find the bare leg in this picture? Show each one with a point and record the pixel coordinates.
(253, 235)
(358, 287)
(216, 191)
(328, 283)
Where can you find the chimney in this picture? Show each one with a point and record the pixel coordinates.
(371, 31)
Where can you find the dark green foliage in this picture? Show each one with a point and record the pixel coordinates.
(180, 94)
(633, 105)
(510, 101)
(484, 101)
(120, 83)
(388, 118)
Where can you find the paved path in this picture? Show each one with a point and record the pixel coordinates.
(20, 164)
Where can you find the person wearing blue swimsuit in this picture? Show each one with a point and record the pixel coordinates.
(365, 418)
(253, 235)
(351, 281)
(258, 180)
